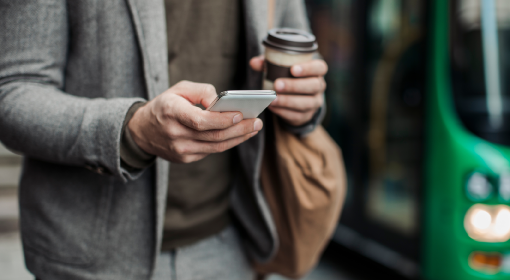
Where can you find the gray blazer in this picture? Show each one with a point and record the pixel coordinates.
(69, 72)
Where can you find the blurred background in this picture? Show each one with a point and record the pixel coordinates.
(418, 101)
(11, 256)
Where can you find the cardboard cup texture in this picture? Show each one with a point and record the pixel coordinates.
(285, 47)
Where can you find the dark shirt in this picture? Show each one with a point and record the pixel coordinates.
(203, 46)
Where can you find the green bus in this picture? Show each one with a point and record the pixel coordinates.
(419, 101)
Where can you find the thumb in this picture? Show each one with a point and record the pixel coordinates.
(196, 93)
(257, 63)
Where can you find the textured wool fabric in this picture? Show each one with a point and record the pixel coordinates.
(69, 72)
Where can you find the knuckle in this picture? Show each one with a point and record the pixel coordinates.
(220, 147)
(173, 132)
(183, 83)
(216, 135)
(319, 101)
(178, 86)
(181, 150)
(166, 109)
(290, 86)
(324, 84)
(187, 159)
(181, 115)
(197, 123)
(319, 83)
(208, 88)
(325, 66)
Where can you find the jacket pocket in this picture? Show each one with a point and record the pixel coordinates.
(64, 211)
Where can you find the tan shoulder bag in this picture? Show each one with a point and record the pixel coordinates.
(303, 180)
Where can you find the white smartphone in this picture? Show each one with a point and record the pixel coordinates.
(249, 102)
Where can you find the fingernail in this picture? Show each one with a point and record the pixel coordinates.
(279, 85)
(297, 69)
(257, 125)
(238, 118)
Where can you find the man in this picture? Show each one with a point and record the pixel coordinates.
(75, 77)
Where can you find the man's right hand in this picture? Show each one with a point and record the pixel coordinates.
(172, 127)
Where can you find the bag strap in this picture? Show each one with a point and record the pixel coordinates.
(270, 14)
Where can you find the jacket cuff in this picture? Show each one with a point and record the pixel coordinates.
(303, 130)
(133, 158)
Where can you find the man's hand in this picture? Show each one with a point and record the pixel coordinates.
(171, 127)
(300, 97)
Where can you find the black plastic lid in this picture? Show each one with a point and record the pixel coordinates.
(291, 40)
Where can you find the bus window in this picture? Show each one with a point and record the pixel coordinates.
(480, 64)
(375, 50)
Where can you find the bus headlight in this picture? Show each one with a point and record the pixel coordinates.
(488, 223)
(502, 222)
(478, 187)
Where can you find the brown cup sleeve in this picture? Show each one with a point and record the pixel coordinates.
(276, 71)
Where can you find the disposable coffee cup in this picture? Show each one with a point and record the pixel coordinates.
(285, 47)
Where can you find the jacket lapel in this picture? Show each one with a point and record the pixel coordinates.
(255, 12)
(150, 25)
(149, 21)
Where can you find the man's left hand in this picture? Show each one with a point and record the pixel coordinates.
(298, 98)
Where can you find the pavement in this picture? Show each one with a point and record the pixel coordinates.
(12, 266)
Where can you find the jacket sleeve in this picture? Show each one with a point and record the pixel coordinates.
(294, 16)
(39, 119)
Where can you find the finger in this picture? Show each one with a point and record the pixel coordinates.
(257, 63)
(195, 118)
(300, 103)
(201, 120)
(190, 147)
(190, 158)
(219, 135)
(196, 93)
(316, 67)
(293, 117)
(312, 85)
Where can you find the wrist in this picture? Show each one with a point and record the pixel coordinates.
(136, 126)
(307, 127)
